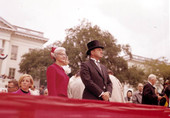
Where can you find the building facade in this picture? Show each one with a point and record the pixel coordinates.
(137, 61)
(14, 42)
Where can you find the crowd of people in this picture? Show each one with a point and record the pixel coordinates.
(24, 86)
(93, 81)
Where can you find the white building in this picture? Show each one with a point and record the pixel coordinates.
(137, 61)
(16, 41)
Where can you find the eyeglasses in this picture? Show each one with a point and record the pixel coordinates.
(62, 54)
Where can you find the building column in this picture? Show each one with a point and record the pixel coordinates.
(1, 51)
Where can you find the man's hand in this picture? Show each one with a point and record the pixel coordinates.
(159, 97)
(106, 96)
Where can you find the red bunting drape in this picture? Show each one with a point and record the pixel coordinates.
(17, 106)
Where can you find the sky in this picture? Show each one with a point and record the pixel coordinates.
(143, 24)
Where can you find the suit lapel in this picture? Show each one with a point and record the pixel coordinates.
(95, 66)
(103, 74)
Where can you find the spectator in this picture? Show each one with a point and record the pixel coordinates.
(25, 82)
(57, 79)
(128, 97)
(137, 96)
(167, 82)
(41, 90)
(75, 87)
(149, 96)
(34, 91)
(117, 89)
(12, 86)
(167, 96)
(3, 90)
(46, 92)
(163, 100)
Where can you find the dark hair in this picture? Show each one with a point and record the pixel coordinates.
(167, 91)
(15, 82)
(77, 74)
(129, 91)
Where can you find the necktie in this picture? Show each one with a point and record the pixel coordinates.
(98, 65)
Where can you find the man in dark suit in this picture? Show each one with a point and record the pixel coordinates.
(149, 96)
(94, 75)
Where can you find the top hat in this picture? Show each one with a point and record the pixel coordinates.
(92, 45)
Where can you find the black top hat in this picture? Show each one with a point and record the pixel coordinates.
(92, 45)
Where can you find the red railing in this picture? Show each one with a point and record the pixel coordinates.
(17, 106)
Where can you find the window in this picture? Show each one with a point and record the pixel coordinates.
(11, 72)
(14, 51)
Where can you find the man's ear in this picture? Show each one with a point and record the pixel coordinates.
(91, 52)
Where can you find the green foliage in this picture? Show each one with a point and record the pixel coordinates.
(135, 76)
(76, 46)
(127, 50)
(160, 68)
(35, 63)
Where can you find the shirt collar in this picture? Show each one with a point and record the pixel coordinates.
(96, 61)
(150, 83)
(139, 92)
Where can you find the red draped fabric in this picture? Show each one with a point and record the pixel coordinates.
(21, 106)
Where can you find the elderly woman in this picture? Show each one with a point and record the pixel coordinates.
(25, 82)
(57, 79)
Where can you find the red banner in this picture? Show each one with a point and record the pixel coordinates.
(17, 106)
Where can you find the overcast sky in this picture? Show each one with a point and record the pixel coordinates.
(143, 24)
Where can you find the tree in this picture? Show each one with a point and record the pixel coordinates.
(127, 50)
(135, 75)
(76, 47)
(35, 63)
(160, 67)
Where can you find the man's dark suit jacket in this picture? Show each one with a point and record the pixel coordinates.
(94, 80)
(149, 96)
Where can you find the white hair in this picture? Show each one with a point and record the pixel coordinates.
(58, 49)
(151, 76)
(140, 84)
